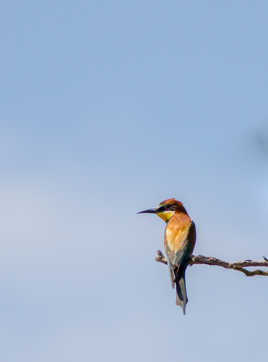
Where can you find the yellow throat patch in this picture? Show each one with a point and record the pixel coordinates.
(166, 215)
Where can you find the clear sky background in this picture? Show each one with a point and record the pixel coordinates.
(107, 108)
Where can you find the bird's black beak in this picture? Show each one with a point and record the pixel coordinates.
(149, 211)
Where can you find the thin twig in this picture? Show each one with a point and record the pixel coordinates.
(240, 266)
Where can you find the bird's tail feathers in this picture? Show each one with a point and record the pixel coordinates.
(181, 295)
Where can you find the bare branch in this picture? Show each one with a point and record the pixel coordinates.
(240, 266)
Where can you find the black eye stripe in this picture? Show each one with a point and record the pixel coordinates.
(167, 208)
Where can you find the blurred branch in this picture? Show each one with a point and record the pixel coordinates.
(240, 266)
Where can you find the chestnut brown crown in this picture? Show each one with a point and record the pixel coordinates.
(172, 205)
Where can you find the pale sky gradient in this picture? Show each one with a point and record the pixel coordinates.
(107, 108)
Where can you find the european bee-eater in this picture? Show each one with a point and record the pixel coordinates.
(179, 242)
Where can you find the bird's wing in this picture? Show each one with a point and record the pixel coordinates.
(179, 243)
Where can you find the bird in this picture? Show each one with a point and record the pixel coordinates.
(179, 243)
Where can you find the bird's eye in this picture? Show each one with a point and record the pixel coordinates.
(162, 209)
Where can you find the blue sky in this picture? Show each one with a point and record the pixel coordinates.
(107, 108)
